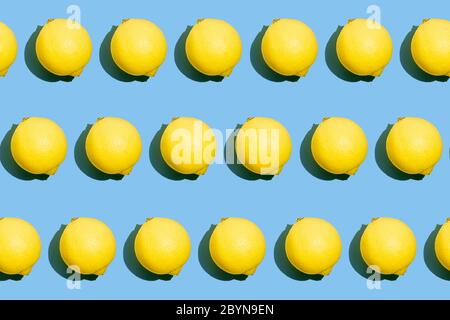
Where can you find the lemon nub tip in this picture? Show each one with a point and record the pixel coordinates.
(52, 171)
(175, 272)
(202, 171)
(378, 73)
(400, 272)
(427, 171)
(352, 171)
(326, 272)
(303, 73)
(152, 73)
(25, 272)
(100, 272)
(77, 73)
(127, 171)
(3, 72)
(227, 73)
(250, 272)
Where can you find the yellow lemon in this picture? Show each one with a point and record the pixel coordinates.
(289, 47)
(20, 246)
(87, 246)
(38, 145)
(63, 47)
(339, 145)
(364, 47)
(414, 145)
(162, 246)
(8, 48)
(113, 145)
(313, 246)
(388, 246)
(237, 246)
(188, 145)
(430, 47)
(213, 47)
(263, 146)
(442, 245)
(138, 47)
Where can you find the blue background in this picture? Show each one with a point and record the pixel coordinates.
(221, 193)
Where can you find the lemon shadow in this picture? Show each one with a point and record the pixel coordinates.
(158, 162)
(33, 64)
(110, 66)
(235, 165)
(132, 263)
(83, 162)
(385, 164)
(336, 66)
(207, 263)
(10, 164)
(283, 263)
(358, 263)
(429, 256)
(308, 162)
(11, 277)
(57, 263)
(410, 66)
(260, 66)
(185, 66)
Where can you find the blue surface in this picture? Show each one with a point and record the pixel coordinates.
(220, 193)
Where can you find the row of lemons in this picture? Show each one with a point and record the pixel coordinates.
(214, 47)
(262, 145)
(237, 246)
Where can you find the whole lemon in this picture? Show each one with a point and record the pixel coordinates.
(388, 246)
(162, 246)
(313, 246)
(113, 145)
(213, 47)
(188, 145)
(442, 245)
(87, 246)
(20, 246)
(263, 145)
(8, 48)
(237, 246)
(339, 145)
(414, 145)
(138, 47)
(430, 47)
(364, 47)
(289, 47)
(63, 47)
(39, 145)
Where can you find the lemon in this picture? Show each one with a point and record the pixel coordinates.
(289, 47)
(113, 145)
(87, 246)
(188, 145)
(20, 246)
(138, 47)
(430, 47)
(442, 245)
(313, 246)
(38, 145)
(339, 145)
(388, 245)
(414, 145)
(364, 47)
(213, 47)
(8, 48)
(263, 146)
(237, 246)
(63, 47)
(162, 246)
